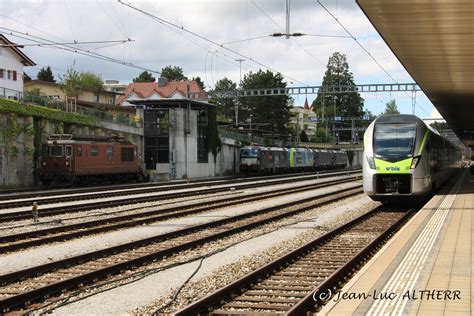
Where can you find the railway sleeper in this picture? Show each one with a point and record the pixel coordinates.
(276, 293)
(247, 298)
(263, 307)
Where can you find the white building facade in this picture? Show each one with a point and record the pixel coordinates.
(12, 61)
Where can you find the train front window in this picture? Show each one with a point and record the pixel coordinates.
(249, 152)
(394, 141)
(56, 151)
(68, 151)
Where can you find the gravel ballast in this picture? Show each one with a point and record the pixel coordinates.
(153, 291)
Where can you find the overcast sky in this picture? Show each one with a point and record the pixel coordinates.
(241, 28)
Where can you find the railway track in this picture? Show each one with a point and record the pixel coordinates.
(66, 232)
(115, 200)
(34, 193)
(21, 288)
(53, 190)
(300, 281)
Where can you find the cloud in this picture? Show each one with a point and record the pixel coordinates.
(302, 60)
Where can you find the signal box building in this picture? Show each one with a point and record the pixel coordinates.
(176, 144)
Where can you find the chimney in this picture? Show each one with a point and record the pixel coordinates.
(162, 81)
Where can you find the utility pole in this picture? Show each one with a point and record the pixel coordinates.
(297, 142)
(325, 124)
(238, 94)
(352, 131)
(287, 35)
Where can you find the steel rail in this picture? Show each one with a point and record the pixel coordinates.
(32, 193)
(208, 303)
(55, 210)
(9, 242)
(58, 287)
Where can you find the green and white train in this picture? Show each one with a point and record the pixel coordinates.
(405, 158)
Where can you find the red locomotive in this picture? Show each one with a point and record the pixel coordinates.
(82, 159)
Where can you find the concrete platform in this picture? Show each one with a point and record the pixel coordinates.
(425, 269)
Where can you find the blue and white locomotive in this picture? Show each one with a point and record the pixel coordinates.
(261, 159)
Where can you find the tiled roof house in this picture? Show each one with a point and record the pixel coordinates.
(162, 89)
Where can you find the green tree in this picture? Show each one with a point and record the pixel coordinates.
(45, 74)
(71, 82)
(321, 136)
(225, 106)
(440, 126)
(391, 108)
(348, 104)
(370, 116)
(91, 81)
(145, 76)
(272, 110)
(303, 137)
(173, 73)
(199, 82)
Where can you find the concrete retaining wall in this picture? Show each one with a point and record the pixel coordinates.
(18, 144)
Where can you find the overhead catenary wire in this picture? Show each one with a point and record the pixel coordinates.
(281, 29)
(69, 43)
(358, 43)
(77, 50)
(163, 21)
(363, 48)
(246, 39)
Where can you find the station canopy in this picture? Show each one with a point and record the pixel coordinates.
(434, 41)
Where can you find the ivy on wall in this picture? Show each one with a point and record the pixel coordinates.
(11, 106)
(12, 130)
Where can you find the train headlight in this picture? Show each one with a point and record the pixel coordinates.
(371, 162)
(44, 163)
(415, 162)
(67, 163)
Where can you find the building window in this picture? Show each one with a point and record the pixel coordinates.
(156, 137)
(9, 74)
(2, 73)
(202, 142)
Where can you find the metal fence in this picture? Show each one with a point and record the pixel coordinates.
(10, 94)
(245, 138)
(119, 118)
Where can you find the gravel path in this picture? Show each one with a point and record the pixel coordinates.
(222, 268)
